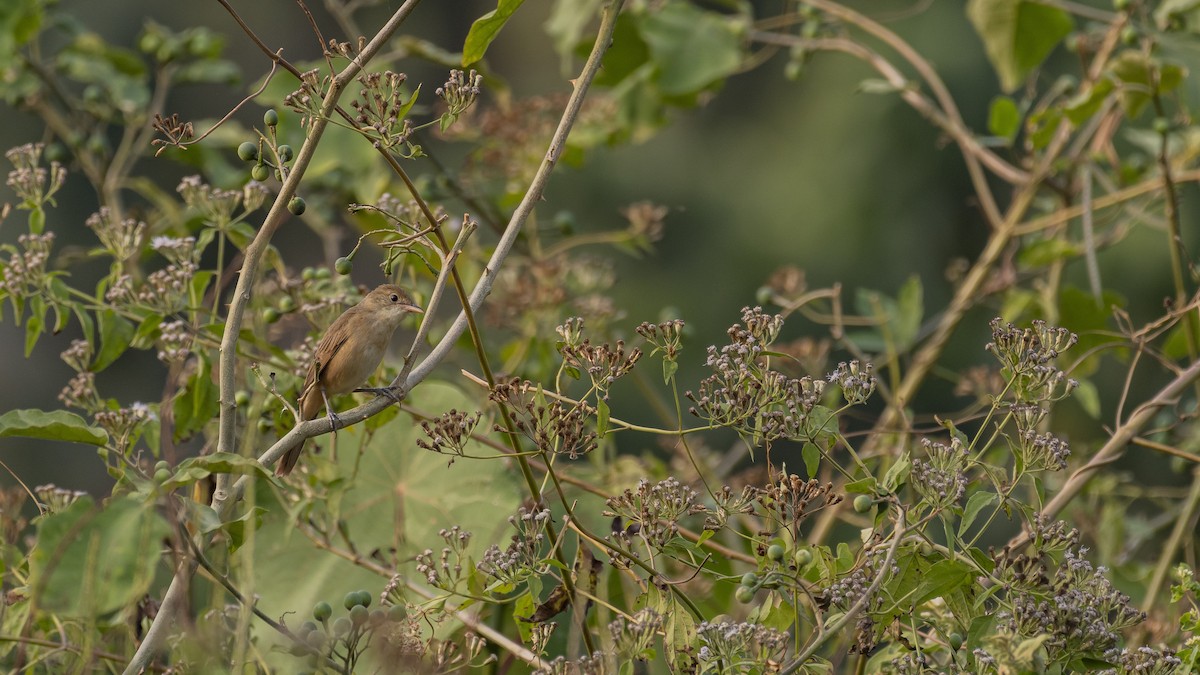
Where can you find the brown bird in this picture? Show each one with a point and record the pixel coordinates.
(351, 349)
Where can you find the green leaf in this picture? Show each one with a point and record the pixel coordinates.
(941, 577)
(485, 29)
(977, 502)
(56, 425)
(36, 324)
(198, 468)
(93, 561)
(1088, 398)
(1017, 35)
(198, 403)
(1087, 103)
(897, 474)
(812, 458)
(1004, 120)
(692, 48)
(669, 369)
(601, 417)
(910, 309)
(116, 334)
(1132, 69)
(1047, 251)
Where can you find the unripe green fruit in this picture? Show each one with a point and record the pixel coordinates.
(307, 627)
(296, 206)
(956, 641)
(241, 398)
(322, 273)
(271, 314)
(260, 172)
(1161, 125)
(162, 475)
(351, 600)
(359, 615)
(308, 274)
(322, 611)
(270, 117)
(775, 552)
(397, 612)
(264, 426)
(802, 557)
(287, 304)
(1122, 5)
(744, 594)
(248, 151)
(364, 598)
(285, 153)
(863, 503)
(343, 266)
(750, 579)
(1129, 36)
(162, 465)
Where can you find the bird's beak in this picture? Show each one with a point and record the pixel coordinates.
(414, 309)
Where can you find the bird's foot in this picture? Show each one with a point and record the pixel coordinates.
(390, 392)
(334, 421)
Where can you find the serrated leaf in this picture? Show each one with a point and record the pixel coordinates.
(485, 29)
(1017, 35)
(56, 425)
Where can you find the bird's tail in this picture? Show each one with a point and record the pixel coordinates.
(288, 462)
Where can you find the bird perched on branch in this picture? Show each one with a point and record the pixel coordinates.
(350, 351)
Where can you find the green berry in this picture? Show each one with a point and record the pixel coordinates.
(308, 274)
(750, 579)
(162, 465)
(1122, 5)
(1161, 126)
(956, 641)
(351, 600)
(364, 598)
(248, 151)
(343, 266)
(260, 172)
(322, 273)
(308, 627)
(296, 206)
(322, 611)
(744, 594)
(775, 552)
(162, 475)
(341, 626)
(1129, 36)
(359, 615)
(264, 425)
(285, 153)
(397, 612)
(271, 314)
(863, 503)
(378, 616)
(802, 557)
(287, 304)
(241, 398)
(270, 117)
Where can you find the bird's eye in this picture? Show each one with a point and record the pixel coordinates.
(395, 298)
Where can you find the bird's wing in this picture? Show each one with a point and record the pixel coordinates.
(327, 348)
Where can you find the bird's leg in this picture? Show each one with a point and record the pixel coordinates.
(390, 392)
(334, 420)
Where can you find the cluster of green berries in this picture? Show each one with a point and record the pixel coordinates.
(751, 581)
(250, 151)
(323, 630)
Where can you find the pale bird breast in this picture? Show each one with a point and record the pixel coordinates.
(353, 364)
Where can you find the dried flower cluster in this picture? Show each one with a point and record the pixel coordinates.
(524, 554)
(122, 423)
(1028, 355)
(855, 380)
(447, 571)
(554, 427)
(790, 500)
(940, 477)
(743, 393)
(449, 433)
(25, 272)
(654, 509)
(121, 238)
(729, 647)
(729, 503)
(382, 109)
(216, 205)
(460, 93)
(307, 99)
(847, 590)
(633, 638)
(33, 183)
(175, 342)
(603, 364)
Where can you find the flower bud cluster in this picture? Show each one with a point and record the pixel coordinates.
(33, 183)
(307, 99)
(460, 93)
(383, 109)
(633, 638)
(1027, 356)
(729, 503)
(726, 642)
(216, 205)
(447, 571)
(122, 423)
(25, 272)
(855, 380)
(940, 477)
(121, 238)
(847, 590)
(602, 363)
(790, 500)
(667, 337)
